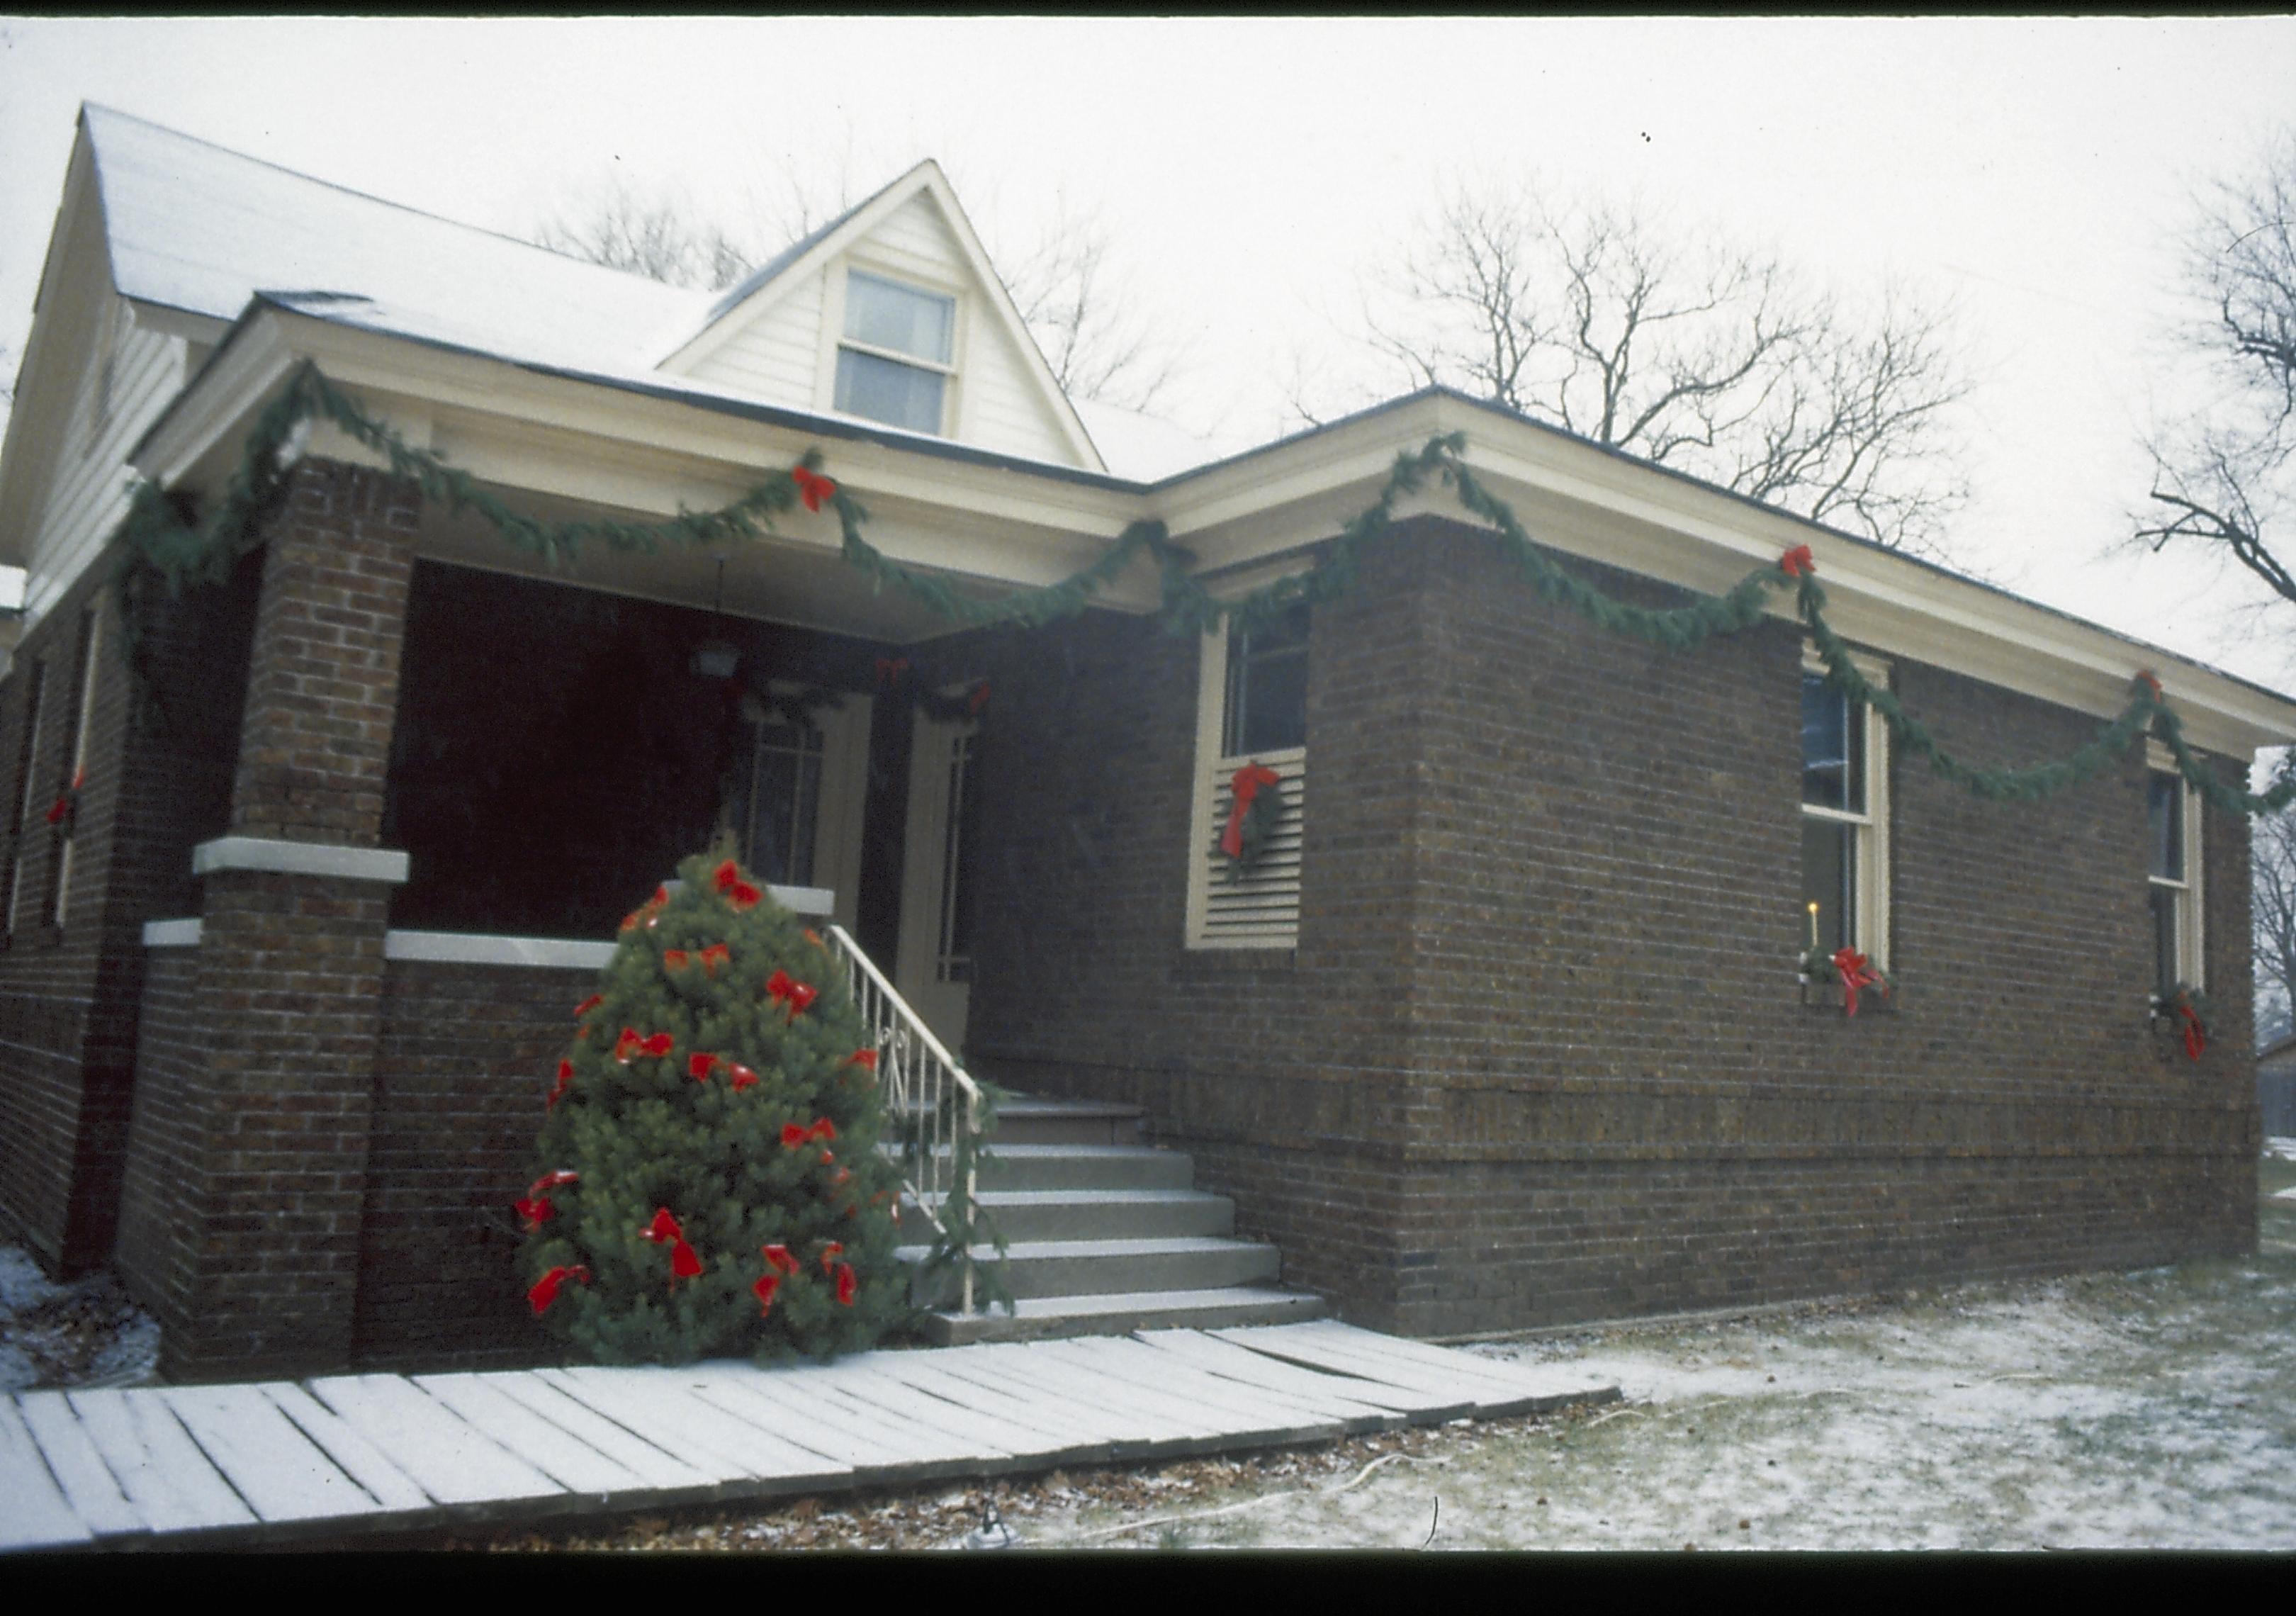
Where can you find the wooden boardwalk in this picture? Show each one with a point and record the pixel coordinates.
(211, 1466)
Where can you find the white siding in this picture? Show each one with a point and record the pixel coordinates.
(777, 352)
(781, 354)
(87, 485)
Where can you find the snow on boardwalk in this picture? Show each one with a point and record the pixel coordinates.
(211, 1465)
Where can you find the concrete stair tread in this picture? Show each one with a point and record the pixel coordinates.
(1024, 1251)
(1014, 1106)
(1089, 1197)
(1045, 1317)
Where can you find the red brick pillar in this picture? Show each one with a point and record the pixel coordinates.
(296, 900)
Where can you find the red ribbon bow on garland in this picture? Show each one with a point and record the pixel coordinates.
(2151, 681)
(1245, 785)
(1797, 562)
(812, 488)
(546, 1289)
(1856, 973)
(683, 1264)
(786, 988)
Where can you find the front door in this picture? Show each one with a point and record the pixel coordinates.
(935, 966)
(798, 792)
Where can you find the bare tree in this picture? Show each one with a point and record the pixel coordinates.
(2272, 859)
(1085, 315)
(647, 234)
(1693, 353)
(2224, 475)
(1068, 281)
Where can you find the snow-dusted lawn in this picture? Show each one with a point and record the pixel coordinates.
(2155, 1409)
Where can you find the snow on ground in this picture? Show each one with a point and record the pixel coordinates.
(84, 1334)
(2153, 1409)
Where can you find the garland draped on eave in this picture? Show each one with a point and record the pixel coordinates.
(165, 549)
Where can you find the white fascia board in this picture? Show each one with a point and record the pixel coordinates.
(672, 454)
(170, 321)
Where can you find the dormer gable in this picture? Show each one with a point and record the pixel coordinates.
(892, 314)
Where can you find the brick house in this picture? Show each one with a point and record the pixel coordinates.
(1503, 1030)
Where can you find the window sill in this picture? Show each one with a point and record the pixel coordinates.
(1828, 996)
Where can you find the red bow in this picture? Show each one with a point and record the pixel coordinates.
(673, 959)
(534, 1207)
(738, 892)
(813, 938)
(777, 1257)
(64, 804)
(715, 955)
(1247, 785)
(698, 1065)
(565, 1076)
(862, 1057)
(2151, 680)
(846, 1284)
(2196, 1036)
(630, 1044)
(889, 669)
(588, 1005)
(812, 488)
(796, 1134)
(683, 1262)
(1797, 560)
(783, 986)
(830, 1253)
(743, 1077)
(765, 1288)
(1856, 973)
(546, 1289)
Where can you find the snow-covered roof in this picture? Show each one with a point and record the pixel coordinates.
(196, 228)
(1144, 448)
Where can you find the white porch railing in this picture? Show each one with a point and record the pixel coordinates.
(933, 1104)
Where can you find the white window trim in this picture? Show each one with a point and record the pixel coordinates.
(2191, 913)
(1206, 799)
(834, 341)
(1871, 934)
(838, 826)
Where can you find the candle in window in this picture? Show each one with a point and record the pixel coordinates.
(1813, 926)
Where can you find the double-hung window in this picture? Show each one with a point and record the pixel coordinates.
(2173, 870)
(1845, 823)
(898, 355)
(1252, 713)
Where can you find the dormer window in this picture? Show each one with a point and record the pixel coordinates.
(894, 363)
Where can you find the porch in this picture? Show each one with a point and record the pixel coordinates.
(278, 1462)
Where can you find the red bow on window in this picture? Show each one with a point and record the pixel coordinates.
(2196, 1035)
(683, 1264)
(1856, 973)
(812, 488)
(786, 988)
(69, 800)
(1797, 560)
(546, 1289)
(1246, 784)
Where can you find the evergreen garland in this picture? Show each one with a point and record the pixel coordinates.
(164, 550)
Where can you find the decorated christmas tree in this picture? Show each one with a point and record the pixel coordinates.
(710, 1181)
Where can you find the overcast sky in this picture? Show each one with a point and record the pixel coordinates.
(2033, 171)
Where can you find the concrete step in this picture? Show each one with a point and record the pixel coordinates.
(1110, 1268)
(1092, 1214)
(1045, 1317)
(1027, 1120)
(1085, 1167)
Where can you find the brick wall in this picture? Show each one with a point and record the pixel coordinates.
(69, 993)
(1540, 1055)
